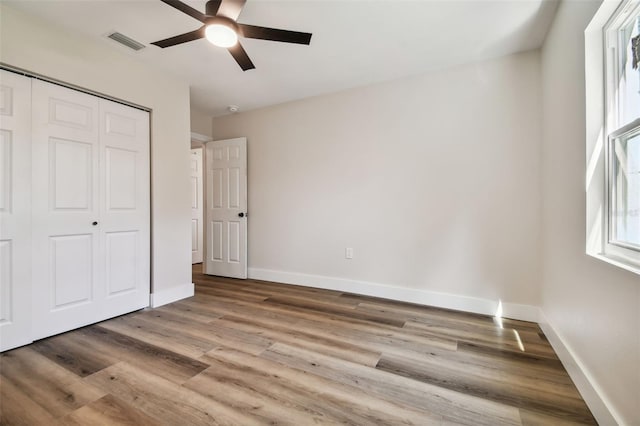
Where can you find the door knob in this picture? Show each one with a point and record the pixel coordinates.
(94, 223)
(241, 214)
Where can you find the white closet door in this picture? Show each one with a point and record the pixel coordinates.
(15, 210)
(124, 207)
(66, 281)
(90, 210)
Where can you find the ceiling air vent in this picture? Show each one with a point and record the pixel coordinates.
(124, 40)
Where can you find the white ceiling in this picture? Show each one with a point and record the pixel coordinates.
(355, 42)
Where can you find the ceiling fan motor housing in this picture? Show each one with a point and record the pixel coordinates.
(223, 20)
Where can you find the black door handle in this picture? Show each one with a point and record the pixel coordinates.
(94, 223)
(240, 214)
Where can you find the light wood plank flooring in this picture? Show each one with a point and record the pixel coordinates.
(251, 352)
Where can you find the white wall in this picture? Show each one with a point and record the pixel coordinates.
(433, 180)
(592, 307)
(200, 122)
(37, 46)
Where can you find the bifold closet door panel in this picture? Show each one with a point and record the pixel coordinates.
(15, 210)
(124, 206)
(65, 201)
(90, 222)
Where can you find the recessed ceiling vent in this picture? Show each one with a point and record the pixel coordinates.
(126, 41)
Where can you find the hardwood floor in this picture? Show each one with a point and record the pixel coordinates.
(250, 352)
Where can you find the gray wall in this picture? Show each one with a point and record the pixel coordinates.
(432, 180)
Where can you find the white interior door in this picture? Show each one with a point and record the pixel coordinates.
(226, 208)
(15, 210)
(90, 209)
(197, 194)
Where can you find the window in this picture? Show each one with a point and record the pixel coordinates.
(622, 130)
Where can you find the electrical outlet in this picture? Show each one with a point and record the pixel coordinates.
(348, 253)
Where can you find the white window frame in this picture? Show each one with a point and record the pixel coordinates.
(617, 249)
(601, 128)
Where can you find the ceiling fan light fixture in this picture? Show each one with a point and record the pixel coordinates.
(221, 34)
(221, 29)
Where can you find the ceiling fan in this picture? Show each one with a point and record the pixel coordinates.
(222, 29)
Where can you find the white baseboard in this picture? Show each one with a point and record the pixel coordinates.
(172, 294)
(580, 376)
(403, 294)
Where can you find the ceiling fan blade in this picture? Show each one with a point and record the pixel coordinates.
(273, 34)
(187, 9)
(231, 8)
(212, 7)
(241, 57)
(182, 38)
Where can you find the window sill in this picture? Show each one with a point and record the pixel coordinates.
(616, 261)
